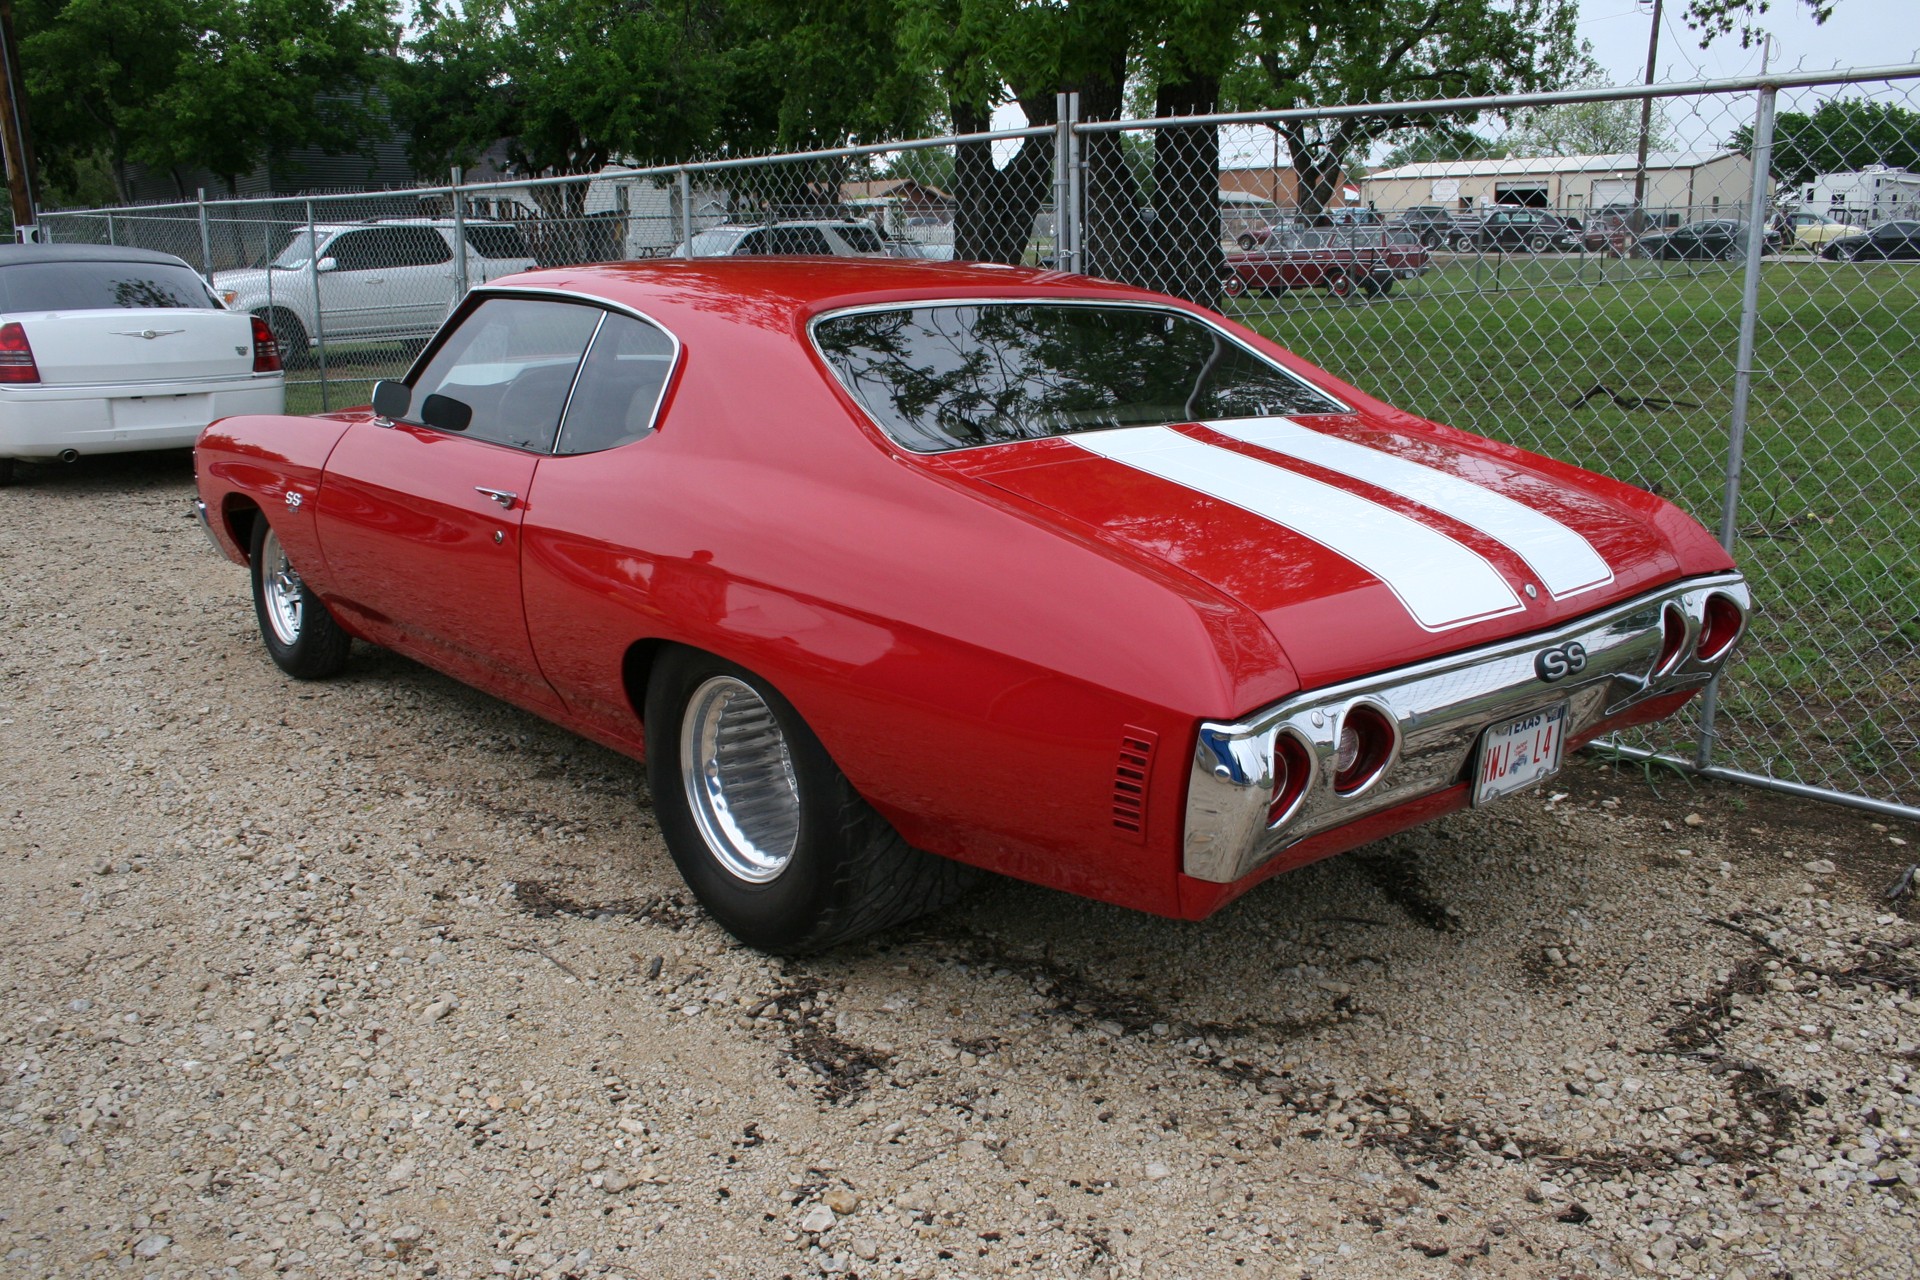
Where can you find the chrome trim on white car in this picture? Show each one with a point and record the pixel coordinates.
(1441, 709)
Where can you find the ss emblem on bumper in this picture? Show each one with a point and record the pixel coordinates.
(1561, 661)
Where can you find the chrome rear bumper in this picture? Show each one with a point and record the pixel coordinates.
(1439, 709)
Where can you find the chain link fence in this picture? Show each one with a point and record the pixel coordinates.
(1729, 317)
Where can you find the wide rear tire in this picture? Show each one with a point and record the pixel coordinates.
(767, 832)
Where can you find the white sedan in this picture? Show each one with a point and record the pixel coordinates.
(109, 350)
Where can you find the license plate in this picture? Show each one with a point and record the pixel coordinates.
(160, 411)
(1517, 754)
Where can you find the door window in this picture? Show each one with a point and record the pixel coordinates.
(384, 248)
(618, 392)
(800, 240)
(512, 361)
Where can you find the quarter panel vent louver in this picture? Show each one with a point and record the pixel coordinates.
(1131, 773)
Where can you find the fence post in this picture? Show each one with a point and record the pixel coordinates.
(319, 311)
(1742, 369)
(459, 238)
(110, 239)
(1062, 188)
(206, 240)
(686, 212)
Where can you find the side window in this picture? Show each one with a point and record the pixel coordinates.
(355, 251)
(512, 361)
(415, 247)
(618, 393)
(863, 239)
(753, 242)
(492, 240)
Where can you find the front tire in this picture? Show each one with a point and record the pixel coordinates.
(301, 636)
(767, 832)
(1538, 244)
(6, 472)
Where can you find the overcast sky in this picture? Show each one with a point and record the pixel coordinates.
(1861, 33)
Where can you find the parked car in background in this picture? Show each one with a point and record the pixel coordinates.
(1889, 240)
(816, 237)
(1814, 232)
(1432, 224)
(107, 350)
(1612, 228)
(1509, 228)
(393, 278)
(890, 569)
(1342, 260)
(1709, 238)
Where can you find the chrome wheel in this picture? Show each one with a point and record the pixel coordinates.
(285, 593)
(740, 781)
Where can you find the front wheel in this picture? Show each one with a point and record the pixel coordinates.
(1341, 285)
(300, 634)
(767, 832)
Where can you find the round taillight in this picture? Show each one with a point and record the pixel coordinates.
(1719, 629)
(1366, 744)
(1673, 638)
(1292, 770)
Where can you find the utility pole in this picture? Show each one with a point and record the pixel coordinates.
(14, 138)
(1646, 124)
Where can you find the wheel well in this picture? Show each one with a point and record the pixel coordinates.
(636, 669)
(239, 514)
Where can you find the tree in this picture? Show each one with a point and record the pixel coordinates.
(1448, 142)
(1841, 135)
(1715, 18)
(214, 84)
(1587, 129)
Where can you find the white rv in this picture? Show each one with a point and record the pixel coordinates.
(1864, 197)
(649, 204)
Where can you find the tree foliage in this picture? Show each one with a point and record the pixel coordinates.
(1587, 129)
(1840, 136)
(1716, 18)
(214, 84)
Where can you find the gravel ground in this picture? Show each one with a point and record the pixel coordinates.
(383, 977)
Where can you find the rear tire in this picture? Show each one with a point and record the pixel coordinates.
(300, 634)
(1232, 285)
(1538, 244)
(1341, 285)
(767, 832)
(6, 472)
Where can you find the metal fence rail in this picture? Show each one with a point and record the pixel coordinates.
(1762, 372)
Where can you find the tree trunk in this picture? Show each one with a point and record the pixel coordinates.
(1186, 259)
(1112, 229)
(1317, 171)
(995, 208)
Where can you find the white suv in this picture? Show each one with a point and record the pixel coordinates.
(839, 238)
(386, 279)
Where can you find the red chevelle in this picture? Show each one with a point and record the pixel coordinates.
(890, 570)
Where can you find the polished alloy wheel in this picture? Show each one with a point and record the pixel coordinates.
(740, 780)
(286, 596)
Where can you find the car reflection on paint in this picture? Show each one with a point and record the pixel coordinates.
(895, 571)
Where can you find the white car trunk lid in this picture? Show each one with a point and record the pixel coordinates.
(91, 348)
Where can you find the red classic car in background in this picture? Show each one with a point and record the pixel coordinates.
(892, 569)
(1342, 260)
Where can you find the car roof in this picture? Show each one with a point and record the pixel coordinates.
(780, 292)
(15, 254)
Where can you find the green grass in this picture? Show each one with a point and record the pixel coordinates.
(1827, 691)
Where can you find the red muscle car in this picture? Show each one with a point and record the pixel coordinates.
(1342, 260)
(889, 570)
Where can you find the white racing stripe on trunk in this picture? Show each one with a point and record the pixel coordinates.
(1441, 583)
(1566, 562)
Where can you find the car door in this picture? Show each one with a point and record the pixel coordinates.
(418, 289)
(1895, 240)
(350, 288)
(421, 526)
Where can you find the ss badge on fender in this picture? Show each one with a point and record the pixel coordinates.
(1557, 663)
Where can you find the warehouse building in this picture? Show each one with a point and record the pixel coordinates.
(1680, 184)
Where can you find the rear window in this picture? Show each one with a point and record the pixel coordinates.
(99, 286)
(950, 376)
(498, 242)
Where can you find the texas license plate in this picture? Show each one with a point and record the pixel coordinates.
(1519, 753)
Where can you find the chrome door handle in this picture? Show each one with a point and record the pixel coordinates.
(501, 496)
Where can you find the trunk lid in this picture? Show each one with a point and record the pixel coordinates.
(80, 348)
(1362, 547)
